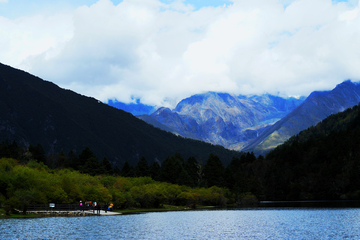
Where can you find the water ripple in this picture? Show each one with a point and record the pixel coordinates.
(220, 224)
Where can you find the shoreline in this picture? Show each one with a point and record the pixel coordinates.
(168, 208)
(40, 214)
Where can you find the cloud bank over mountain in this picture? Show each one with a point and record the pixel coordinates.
(163, 51)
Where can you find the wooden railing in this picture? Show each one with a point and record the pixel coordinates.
(61, 207)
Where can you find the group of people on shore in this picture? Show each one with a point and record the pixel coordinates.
(89, 205)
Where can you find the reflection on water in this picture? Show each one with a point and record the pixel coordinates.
(247, 223)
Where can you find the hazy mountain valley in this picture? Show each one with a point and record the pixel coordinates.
(250, 123)
(224, 119)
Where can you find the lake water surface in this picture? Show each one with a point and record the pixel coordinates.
(248, 223)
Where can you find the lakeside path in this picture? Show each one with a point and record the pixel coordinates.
(103, 213)
(78, 213)
(87, 212)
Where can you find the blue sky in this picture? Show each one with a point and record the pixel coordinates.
(161, 51)
(18, 8)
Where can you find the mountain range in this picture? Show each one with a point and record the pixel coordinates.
(34, 111)
(251, 123)
(223, 119)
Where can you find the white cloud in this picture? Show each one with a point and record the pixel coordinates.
(162, 53)
(24, 38)
(3, 1)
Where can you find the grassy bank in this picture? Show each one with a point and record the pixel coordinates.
(17, 215)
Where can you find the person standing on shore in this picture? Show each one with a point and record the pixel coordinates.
(81, 205)
(98, 208)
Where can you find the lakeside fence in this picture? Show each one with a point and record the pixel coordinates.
(61, 207)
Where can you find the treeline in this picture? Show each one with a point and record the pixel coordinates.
(85, 162)
(35, 183)
(236, 177)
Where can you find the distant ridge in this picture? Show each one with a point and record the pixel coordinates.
(314, 109)
(133, 108)
(35, 111)
(252, 123)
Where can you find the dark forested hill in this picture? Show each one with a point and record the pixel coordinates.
(322, 162)
(35, 111)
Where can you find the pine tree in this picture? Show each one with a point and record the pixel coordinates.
(154, 170)
(62, 161)
(73, 160)
(85, 155)
(171, 168)
(38, 153)
(184, 178)
(214, 172)
(192, 167)
(127, 170)
(117, 171)
(5, 149)
(106, 166)
(92, 166)
(142, 168)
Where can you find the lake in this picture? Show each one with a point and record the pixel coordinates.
(245, 223)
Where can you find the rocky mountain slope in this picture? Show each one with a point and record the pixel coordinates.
(35, 111)
(223, 119)
(255, 123)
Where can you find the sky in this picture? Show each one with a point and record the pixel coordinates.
(162, 51)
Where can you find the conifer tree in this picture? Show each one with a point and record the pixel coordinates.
(214, 171)
(171, 168)
(184, 178)
(85, 155)
(117, 171)
(142, 168)
(154, 170)
(192, 167)
(73, 160)
(106, 166)
(127, 170)
(5, 149)
(38, 153)
(92, 166)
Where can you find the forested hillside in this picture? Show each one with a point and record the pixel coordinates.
(34, 111)
(322, 162)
